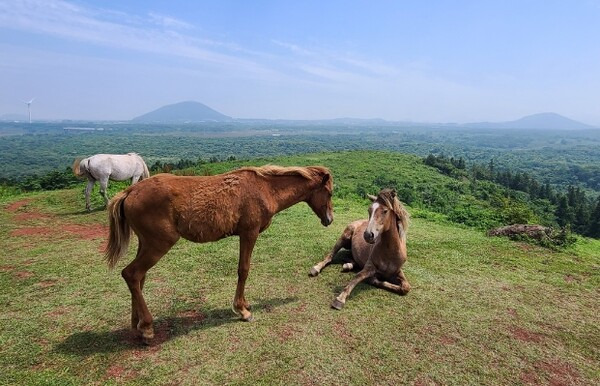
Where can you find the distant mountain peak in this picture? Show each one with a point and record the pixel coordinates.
(188, 111)
(540, 121)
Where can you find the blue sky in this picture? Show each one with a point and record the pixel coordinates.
(432, 61)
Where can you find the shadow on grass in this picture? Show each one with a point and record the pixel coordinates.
(89, 342)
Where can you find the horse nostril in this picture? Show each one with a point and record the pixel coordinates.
(368, 235)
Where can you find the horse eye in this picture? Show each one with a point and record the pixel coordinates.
(385, 211)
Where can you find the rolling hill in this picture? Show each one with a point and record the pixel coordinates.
(182, 112)
(542, 121)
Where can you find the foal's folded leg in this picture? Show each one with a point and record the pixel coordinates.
(340, 300)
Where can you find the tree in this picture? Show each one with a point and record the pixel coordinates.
(564, 214)
(594, 224)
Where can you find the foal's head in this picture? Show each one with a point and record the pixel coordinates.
(320, 197)
(386, 212)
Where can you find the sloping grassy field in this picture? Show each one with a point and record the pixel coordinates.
(482, 310)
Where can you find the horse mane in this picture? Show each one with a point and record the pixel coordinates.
(389, 198)
(310, 172)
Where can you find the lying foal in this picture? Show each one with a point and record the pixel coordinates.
(378, 247)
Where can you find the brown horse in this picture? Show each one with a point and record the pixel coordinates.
(165, 207)
(378, 247)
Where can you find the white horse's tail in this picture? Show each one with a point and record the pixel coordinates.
(77, 168)
(146, 173)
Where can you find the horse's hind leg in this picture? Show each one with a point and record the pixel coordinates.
(240, 304)
(345, 241)
(103, 187)
(88, 190)
(135, 275)
(404, 284)
(401, 289)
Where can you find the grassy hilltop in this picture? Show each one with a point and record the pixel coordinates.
(482, 310)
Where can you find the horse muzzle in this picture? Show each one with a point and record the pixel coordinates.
(369, 237)
(327, 220)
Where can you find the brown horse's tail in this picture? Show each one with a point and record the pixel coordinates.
(118, 237)
(77, 168)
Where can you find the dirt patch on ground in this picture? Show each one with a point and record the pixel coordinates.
(447, 340)
(23, 274)
(342, 331)
(6, 268)
(58, 311)
(119, 372)
(561, 373)
(525, 335)
(46, 283)
(285, 333)
(33, 231)
(17, 205)
(88, 232)
(554, 373)
(301, 308)
(529, 377)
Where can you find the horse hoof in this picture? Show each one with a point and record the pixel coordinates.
(336, 304)
(146, 341)
(313, 272)
(147, 337)
(249, 319)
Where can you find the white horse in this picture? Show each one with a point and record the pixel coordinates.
(116, 167)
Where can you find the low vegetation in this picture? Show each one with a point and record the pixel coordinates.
(482, 310)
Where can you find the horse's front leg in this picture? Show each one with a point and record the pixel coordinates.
(345, 241)
(88, 190)
(340, 300)
(240, 305)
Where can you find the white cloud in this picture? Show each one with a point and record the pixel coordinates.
(65, 20)
(168, 21)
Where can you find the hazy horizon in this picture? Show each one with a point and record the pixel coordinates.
(461, 62)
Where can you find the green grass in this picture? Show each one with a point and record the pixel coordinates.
(482, 310)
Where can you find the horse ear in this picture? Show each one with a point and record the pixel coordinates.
(326, 178)
(371, 197)
(393, 193)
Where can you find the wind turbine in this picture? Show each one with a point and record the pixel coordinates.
(29, 108)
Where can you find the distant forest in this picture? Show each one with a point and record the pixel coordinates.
(558, 158)
(557, 171)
